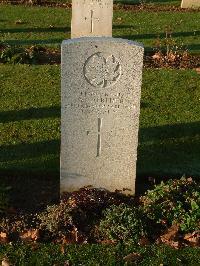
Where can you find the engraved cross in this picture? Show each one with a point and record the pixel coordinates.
(99, 126)
(92, 18)
(99, 137)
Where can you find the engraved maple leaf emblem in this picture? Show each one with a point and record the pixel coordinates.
(102, 71)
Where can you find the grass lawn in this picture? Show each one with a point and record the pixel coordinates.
(98, 255)
(169, 135)
(169, 138)
(49, 26)
(153, 2)
(133, 2)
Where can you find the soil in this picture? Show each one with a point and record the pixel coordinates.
(190, 62)
(75, 219)
(128, 7)
(31, 192)
(151, 60)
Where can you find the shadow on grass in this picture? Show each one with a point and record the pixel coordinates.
(31, 191)
(128, 36)
(193, 47)
(181, 130)
(34, 183)
(136, 2)
(34, 42)
(164, 151)
(24, 151)
(36, 30)
(156, 35)
(122, 26)
(167, 152)
(27, 114)
(138, 37)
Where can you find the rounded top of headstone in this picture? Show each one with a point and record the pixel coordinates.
(102, 39)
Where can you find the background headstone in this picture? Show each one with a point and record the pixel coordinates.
(190, 3)
(101, 84)
(91, 18)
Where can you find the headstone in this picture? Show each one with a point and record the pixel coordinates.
(190, 3)
(101, 83)
(91, 18)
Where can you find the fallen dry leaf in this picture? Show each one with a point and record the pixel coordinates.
(170, 234)
(62, 249)
(19, 21)
(193, 238)
(171, 56)
(132, 257)
(107, 242)
(157, 56)
(34, 246)
(174, 244)
(66, 263)
(5, 262)
(169, 237)
(144, 241)
(3, 238)
(30, 235)
(66, 240)
(198, 70)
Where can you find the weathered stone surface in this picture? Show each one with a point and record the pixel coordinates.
(91, 18)
(190, 3)
(101, 84)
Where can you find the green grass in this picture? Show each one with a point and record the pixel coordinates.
(152, 2)
(30, 115)
(169, 123)
(97, 255)
(130, 2)
(169, 137)
(49, 26)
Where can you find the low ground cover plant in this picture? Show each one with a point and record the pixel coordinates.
(174, 202)
(29, 55)
(122, 223)
(169, 213)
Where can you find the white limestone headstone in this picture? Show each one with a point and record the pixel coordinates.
(190, 3)
(100, 106)
(91, 18)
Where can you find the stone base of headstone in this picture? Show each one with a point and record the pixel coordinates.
(190, 4)
(100, 106)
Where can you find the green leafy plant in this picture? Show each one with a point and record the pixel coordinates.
(122, 223)
(81, 210)
(176, 201)
(13, 55)
(20, 55)
(57, 219)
